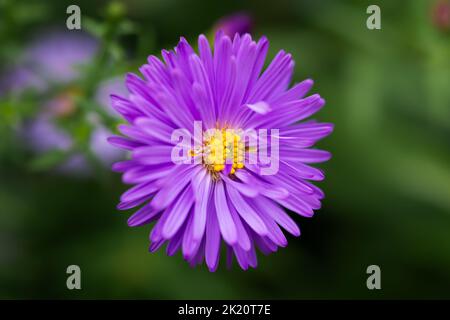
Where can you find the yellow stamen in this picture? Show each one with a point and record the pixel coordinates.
(220, 147)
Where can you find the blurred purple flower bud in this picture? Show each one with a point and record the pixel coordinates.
(43, 135)
(103, 150)
(441, 15)
(236, 23)
(104, 91)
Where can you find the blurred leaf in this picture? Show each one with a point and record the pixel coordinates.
(116, 52)
(48, 160)
(126, 27)
(94, 27)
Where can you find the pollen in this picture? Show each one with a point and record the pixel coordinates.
(222, 150)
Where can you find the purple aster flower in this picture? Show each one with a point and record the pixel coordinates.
(240, 23)
(42, 133)
(57, 58)
(53, 58)
(220, 191)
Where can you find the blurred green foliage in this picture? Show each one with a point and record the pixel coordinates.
(387, 186)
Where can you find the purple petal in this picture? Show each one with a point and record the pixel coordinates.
(202, 189)
(278, 214)
(173, 185)
(178, 212)
(226, 224)
(304, 155)
(153, 155)
(139, 191)
(141, 174)
(189, 244)
(212, 239)
(123, 143)
(246, 212)
(143, 216)
(260, 107)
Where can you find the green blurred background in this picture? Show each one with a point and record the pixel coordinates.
(387, 186)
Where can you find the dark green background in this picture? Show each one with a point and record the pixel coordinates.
(387, 186)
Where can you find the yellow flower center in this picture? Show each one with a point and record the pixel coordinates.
(221, 148)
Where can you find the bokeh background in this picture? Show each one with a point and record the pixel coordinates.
(387, 187)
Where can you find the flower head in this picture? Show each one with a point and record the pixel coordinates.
(217, 150)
